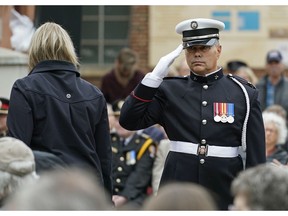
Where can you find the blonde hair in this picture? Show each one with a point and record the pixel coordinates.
(51, 42)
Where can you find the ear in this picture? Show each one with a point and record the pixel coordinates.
(219, 50)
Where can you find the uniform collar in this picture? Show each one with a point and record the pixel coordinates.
(214, 76)
(54, 65)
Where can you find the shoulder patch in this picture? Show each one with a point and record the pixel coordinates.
(243, 81)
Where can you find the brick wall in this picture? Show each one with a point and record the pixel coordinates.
(139, 33)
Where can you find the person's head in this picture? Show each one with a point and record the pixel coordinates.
(17, 165)
(275, 129)
(274, 63)
(69, 189)
(263, 187)
(116, 107)
(51, 42)
(4, 106)
(201, 43)
(247, 74)
(183, 196)
(126, 63)
(278, 109)
(233, 65)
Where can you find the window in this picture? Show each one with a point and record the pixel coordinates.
(105, 30)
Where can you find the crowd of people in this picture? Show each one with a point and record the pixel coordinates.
(202, 137)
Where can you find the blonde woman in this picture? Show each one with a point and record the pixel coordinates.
(54, 110)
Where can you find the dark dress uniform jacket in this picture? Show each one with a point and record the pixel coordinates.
(184, 107)
(54, 110)
(132, 167)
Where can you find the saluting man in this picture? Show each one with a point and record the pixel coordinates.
(133, 157)
(207, 115)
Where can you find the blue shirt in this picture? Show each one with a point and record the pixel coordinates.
(270, 93)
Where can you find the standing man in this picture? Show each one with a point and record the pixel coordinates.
(123, 78)
(273, 87)
(54, 110)
(207, 115)
(4, 106)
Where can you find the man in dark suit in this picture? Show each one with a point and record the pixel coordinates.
(207, 116)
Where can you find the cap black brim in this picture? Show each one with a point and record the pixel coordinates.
(200, 42)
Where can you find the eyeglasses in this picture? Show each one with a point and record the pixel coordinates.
(270, 130)
(194, 49)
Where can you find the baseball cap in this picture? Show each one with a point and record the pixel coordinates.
(233, 65)
(199, 31)
(16, 157)
(274, 55)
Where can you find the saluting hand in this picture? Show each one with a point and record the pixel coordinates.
(161, 69)
(155, 78)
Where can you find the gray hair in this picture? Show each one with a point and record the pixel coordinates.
(10, 182)
(279, 122)
(61, 189)
(265, 187)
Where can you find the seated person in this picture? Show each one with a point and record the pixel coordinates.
(133, 158)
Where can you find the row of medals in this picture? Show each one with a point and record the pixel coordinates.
(224, 118)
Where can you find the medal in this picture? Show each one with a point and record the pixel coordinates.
(131, 157)
(224, 119)
(223, 112)
(230, 117)
(217, 117)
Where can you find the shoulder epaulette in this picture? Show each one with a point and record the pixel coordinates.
(176, 77)
(243, 81)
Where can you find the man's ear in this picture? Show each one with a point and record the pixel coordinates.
(219, 50)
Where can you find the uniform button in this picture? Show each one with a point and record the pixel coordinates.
(68, 96)
(205, 87)
(204, 121)
(121, 158)
(203, 141)
(119, 169)
(118, 180)
(116, 189)
(202, 161)
(204, 103)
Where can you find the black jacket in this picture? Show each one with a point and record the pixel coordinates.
(184, 107)
(54, 110)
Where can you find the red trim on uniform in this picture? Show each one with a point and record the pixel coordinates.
(143, 100)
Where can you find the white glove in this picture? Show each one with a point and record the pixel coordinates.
(155, 78)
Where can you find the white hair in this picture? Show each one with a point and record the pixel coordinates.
(10, 182)
(280, 124)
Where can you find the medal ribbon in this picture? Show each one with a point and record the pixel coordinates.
(231, 109)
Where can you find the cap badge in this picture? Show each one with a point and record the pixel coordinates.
(194, 25)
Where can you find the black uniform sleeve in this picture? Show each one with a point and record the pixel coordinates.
(141, 109)
(255, 139)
